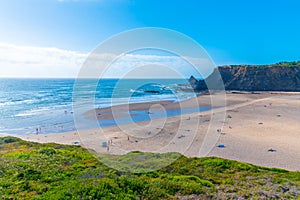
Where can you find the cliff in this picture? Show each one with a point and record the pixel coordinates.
(254, 78)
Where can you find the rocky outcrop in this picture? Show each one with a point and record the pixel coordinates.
(193, 82)
(254, 78)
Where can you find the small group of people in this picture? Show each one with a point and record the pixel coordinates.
(109, 142)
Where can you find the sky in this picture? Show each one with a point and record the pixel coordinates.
(52, 38)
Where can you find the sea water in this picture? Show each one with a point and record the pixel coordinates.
(47, 104)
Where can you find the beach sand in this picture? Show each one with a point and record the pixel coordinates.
(254, 123)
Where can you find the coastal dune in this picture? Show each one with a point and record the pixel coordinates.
(259, 128)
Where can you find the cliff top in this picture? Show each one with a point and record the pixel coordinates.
(279, 64)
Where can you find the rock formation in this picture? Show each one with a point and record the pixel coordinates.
(253, 78)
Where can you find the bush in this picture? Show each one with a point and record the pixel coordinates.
(7, 140)
(48, 151)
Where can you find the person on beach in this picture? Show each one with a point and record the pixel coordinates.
(37, 131)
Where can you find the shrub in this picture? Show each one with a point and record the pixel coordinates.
(48, 151)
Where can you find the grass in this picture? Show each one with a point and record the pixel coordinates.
(51, 171)
(279, 64)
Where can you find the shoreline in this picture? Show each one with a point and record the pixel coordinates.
(259, 122)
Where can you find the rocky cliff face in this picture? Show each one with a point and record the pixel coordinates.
(255, 78)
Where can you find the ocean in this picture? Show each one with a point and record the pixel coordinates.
(46, 104)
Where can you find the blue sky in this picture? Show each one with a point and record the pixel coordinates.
(232, 32)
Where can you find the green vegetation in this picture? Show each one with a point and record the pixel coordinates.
(288, 64)
(279, 64)
(138, 162)
(50, 171)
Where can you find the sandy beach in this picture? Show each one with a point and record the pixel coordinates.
(259, 128)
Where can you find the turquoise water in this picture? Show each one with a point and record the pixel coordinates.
(46, 104)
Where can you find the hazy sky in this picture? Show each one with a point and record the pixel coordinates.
(40, 37)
